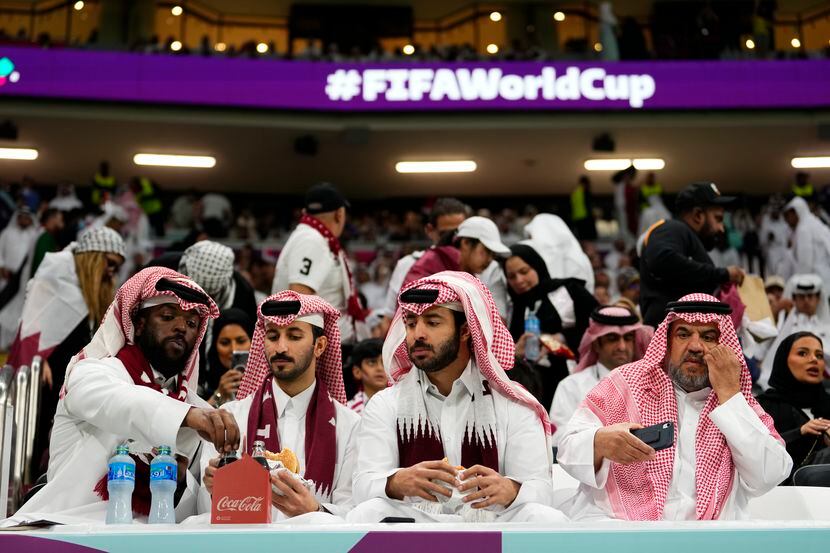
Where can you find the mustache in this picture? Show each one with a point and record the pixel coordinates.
(281, 357)
(420, 344)
(694, 357)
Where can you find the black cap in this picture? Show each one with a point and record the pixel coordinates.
(700, 194)
(324, 197)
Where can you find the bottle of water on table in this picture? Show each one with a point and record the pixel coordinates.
(163, 482)
(532, 344)
(120, 486)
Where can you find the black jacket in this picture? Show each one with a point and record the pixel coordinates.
(674, 263)
(788, 421)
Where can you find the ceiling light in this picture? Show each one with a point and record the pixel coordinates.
(408, 50)
(796, 43)
(262, 48)
(495, 16)
(492, 49)
(175, 160)
(24, 154)
(607, 164)
(649, 164)
(79, 5)
(461, 166)
(821, 162)
(175, 45)
(559, 16)
(177, 11)
(750, 44)
(597, 47)
(220, 47)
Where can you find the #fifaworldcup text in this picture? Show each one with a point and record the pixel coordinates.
(464, 84)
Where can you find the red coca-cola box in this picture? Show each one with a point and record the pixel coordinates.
(241, 494)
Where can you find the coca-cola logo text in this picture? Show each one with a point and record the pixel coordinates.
(246, 504)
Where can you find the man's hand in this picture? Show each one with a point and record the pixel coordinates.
(616, 443)
(229, 383)
(214, 425)
(46, 374)
(736, 274)
(210, 472)
(296, 499)
(816, 427)
(417, 481)
(493, 488)
(724, 372)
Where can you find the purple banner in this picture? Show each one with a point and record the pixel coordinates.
(502, 86)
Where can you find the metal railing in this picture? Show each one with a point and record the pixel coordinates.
(21, 401)
(6, 432)
(32, 416)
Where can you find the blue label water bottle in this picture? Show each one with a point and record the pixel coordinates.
(532, 343)
(120, 486)
(163, 482)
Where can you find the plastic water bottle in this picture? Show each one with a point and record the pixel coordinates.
(120, 486)
(163, 482)
(532, 342)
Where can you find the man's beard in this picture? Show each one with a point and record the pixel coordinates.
(154, 352)
(446, 354)
(688, 382)
(299, 368)
(708, 237)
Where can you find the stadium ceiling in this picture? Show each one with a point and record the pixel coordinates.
(516, 154)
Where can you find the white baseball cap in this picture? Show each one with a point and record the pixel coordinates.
(485, 231)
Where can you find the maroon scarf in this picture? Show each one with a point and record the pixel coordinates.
(424, 444)
(354, 308)
(139, 369)
(320, 433)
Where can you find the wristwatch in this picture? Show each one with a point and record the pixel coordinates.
(218, 398)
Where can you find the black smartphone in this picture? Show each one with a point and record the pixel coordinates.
(398, 519)
(660, 436)
(239, 360)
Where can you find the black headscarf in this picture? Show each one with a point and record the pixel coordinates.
(549, 319)
(215, 369)
(786, 388)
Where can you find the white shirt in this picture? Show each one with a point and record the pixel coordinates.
(520, 439)
(493, 277)
(216, 206)
(402, 267)
(291, 413)
(306, 259)
(102, 408)
(761, 461)
(570, 393)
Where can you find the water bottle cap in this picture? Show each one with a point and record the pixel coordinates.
(122, 449)
(164, 449)
(259, 443)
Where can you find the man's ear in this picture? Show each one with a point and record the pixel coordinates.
(320, 346)
(464, 331)
(138, 324)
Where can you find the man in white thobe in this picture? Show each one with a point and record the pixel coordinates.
(615, 337)
(723, 451)
(135, 381)
(292, 396)
(454, 439)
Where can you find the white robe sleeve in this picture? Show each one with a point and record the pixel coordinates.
(99, 394)
(341, 496)
(804, 251)
(377, 447)
(576, 449)
(564, 404)
(762, 461)
(526, 458)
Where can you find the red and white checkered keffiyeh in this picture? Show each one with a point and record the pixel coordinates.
(642, 392)
(116, 330)
(493, 347)
(329, 366)
(642, 336)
